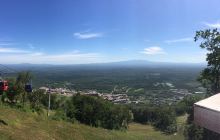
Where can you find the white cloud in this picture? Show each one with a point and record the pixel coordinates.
(153, 50)
(67, 58)
(212, 25)
(74, 57)
(87, 35)
(36, 54)
(12, 50)
(15, 55)
(7, 43)
(187, 39)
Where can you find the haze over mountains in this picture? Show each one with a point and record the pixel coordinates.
(129, 63)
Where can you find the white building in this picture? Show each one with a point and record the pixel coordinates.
(207, 113)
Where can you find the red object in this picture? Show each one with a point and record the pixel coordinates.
(3, 85)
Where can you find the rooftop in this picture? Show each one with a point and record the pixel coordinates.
(207, 113)
(212, 102)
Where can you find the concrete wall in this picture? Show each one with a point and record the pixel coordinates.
(207, 118)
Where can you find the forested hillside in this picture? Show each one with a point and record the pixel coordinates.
(16, 124)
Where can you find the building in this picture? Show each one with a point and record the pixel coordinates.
(207, 113)
(60, 91)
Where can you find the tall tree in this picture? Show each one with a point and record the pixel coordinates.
(22, 79)
(210, 79)
(210, 76)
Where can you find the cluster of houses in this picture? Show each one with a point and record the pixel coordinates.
(115, 98)
(61, 91)
(164, 84)
(175, 96)
(121, 98)
(183, 92)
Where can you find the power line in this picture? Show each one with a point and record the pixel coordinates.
(9, 69)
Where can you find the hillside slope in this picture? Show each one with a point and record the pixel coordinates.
(18, 125)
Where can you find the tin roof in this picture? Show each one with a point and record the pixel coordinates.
(212, 102)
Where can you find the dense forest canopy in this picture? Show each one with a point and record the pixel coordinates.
(104, 77)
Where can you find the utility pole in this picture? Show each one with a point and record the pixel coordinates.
(48, 109)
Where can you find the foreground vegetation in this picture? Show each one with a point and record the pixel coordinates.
(92, 111)
(17, 124)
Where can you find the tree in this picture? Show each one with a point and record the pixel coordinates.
(162, 117)
(22, 79)
(54, 102)
(210, 76)
(192, 131)
(97, 112)
(166, 120)
(35, 98)
(12, 93)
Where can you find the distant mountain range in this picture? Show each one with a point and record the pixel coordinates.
(148, 63)
(130, 63)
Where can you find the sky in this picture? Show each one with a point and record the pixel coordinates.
(99, 31)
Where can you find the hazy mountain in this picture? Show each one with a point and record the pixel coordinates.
(124, 64)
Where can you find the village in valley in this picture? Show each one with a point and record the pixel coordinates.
(122, 95)
(115, 98)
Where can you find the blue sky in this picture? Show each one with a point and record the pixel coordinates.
(93, 31)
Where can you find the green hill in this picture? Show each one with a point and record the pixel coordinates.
(16, 125)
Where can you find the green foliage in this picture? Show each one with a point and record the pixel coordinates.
(53, 101)
(163, 118)
(70, 110)
(189, 101)
(104, 79)
(144, 114)
(135, 92)
(210, 76)
(22, 79)
(116, 117)
(210, 135)
(193, 132)
(12, 93)
(99, 113)
(181, 108)
(59, 115)
(56, 101)
(186, 105)
(35, 99)
(28, 125)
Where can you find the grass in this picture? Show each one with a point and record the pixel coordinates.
(27, 125)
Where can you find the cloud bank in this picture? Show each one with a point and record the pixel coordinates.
(154, 50)
(213, 25)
